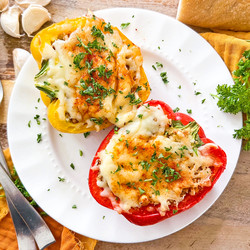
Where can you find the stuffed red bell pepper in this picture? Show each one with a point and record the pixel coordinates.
(157, 165)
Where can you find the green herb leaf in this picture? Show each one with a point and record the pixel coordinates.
(39, 138)
(97, 121)
(97, 32)
(141, 190)
(124, 25)
(48, 91)
(43, 70)
(86, 134)
(108, 28)
(164, 77)
(235, 98)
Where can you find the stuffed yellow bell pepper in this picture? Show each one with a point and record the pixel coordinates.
(91, 75)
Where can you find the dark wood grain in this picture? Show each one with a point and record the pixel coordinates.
(226, 225)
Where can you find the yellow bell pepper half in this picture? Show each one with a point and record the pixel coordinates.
(61, 30)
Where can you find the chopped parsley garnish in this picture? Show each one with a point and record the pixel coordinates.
(140, 116)
(94, 90)
(97, 33)
(80, 152)
(115, 45)
(164, 77)
(29, 124)
(145, 165)
(197, 93)
(189, 111)
(124, 25)
(96, 45)
(61, 179)
(74, 206)
(86, 134)
(139, 88)
(156, 192)
(39, 138)
(203, 101)
(170, 174)
(104, 72)
(97, 121)
(168, 149)
(176, 109)
(118, 169)
(81, 44)
(108, 28)
(78, 59)
(175, 211)
(159, 65)
(72, 166)
(116, 130)
(37, 118)
(23, 190)
(141, 190)
(133, 100)
(110, 55)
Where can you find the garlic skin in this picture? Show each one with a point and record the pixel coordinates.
(4, 4)
(19, 58)
(34, 17)
(27, 3)
(10, 21)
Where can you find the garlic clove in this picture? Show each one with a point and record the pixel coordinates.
(34, 17)
(4, 4)
(19, 58)
(27, 3)
(10, 21)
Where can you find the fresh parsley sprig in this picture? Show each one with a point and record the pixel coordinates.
(236, 98)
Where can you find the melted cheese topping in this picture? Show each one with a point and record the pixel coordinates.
(95, 74)
(150, 161)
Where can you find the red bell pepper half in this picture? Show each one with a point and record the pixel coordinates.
(143, 216)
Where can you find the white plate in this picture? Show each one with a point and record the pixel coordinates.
(187, 59)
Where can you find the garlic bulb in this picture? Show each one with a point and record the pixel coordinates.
(19, 58)
(4, 4)
(34, 17)
(10, 21)
(27, 3)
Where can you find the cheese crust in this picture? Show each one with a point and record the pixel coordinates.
(93, 76)
(153, 161)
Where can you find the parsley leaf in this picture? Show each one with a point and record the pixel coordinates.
(124, 25)
(235, 98)
(97, 32)
(164, 77)
(108, 28)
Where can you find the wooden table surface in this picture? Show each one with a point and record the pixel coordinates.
(226, 225)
